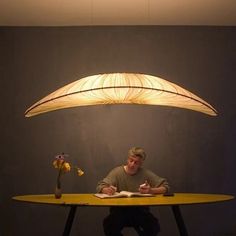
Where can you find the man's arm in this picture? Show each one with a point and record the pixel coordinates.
(156, 190)
(110, 190)
(105, 187)
(154, 185)
(107, 184)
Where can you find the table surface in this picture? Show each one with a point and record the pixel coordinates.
(158, 200)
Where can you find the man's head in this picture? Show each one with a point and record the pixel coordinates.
(138, 152)
(136, 156)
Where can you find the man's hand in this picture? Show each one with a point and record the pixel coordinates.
(110, 190)
(145, 188)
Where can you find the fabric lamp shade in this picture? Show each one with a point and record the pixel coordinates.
(120, 88)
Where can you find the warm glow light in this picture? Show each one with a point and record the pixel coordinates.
(120, 88)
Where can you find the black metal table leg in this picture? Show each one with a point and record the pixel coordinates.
(179, 220)
(69, 221)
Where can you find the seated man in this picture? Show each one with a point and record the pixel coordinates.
(132, 177)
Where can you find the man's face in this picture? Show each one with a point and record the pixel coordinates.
(133, 164)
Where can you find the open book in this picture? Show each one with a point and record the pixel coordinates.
(124, 194)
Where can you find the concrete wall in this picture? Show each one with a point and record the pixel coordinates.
(194, 151)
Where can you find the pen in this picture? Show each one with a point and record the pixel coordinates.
(144, 185)
(113, 187)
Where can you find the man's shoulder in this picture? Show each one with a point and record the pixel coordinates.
(147, 171)
(118, 169)
(143, 169)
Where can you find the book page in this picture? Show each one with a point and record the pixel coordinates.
(136, 194)
(124, 194)
(115, 195)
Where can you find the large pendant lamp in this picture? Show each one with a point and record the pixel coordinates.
(120, 88)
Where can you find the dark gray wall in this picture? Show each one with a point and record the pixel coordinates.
(194, 151)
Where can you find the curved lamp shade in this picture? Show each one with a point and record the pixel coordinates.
(120, 88)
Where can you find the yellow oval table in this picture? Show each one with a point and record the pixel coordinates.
(89, 200)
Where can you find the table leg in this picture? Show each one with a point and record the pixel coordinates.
(179, 220)
(69, 221)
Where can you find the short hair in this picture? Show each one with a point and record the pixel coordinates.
(137, 152)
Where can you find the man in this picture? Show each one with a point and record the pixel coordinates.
(132, 177)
